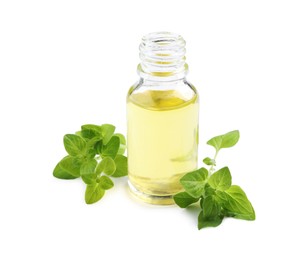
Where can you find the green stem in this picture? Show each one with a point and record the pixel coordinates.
(211, 170)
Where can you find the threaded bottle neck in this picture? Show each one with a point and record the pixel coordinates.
(162, 56)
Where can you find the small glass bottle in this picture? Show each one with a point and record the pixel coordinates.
(162, 118)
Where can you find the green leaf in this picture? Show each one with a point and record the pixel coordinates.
(89, 131)
(224, 141)
(88, 167)
(211, 208)
(193, 182)
(93, 193)
(60, 173)
(210, 216)
(221, 180)
(201, 202)
(121, 166)
(68, 168)
(70, 165)
(208, 190)
(105, 182)
(74, 144)
(107, 166)
(92, 142)
(89, 178)
(226, 213)
(87, 171)
(209, 161)
(98, 147)
(90, 153)
(237, 203)
(205, 222)
(220, 196)
(183, 199)
(78, 133)
(112, 147)
(122, 143)
(107, 131)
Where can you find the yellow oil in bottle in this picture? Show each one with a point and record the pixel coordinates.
(162, 142)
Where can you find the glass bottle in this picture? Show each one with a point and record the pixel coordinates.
(162, 118)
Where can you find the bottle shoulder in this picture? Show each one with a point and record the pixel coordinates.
(162, 95)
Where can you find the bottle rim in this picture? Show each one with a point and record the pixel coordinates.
(162, 56)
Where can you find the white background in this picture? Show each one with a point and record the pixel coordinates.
(67, 63)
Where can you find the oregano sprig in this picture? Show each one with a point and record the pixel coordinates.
(217, 196)
(95, 153)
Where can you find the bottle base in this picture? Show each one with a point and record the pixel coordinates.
(148, 198)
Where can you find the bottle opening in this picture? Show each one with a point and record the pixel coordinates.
(162, 54)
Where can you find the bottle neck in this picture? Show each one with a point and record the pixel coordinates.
(162, 57)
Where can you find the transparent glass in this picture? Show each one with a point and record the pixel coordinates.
(162, 118)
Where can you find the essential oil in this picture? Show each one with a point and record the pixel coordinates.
(162, 115)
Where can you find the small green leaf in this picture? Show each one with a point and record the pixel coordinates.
(89, 131)
(90, 147)
(226, 213)
(208, 190)
(70, 165)
(209, 161)
(220, 196)
(107, 166)
(98, 147)
(224, 141)
(60, 173)
(78, 133)
(121, 166)
(107, 132)
(201, 202)
(205, 222)
(221, 180)
(74, 144)
(112, 147)
(122, 143)
(237, 203)
(90, 154)
(88, 167)
(89, 178)
(105, 182)
(183, 199)
(93, 193)
(193, 182)
(211, 208)
(92, 142)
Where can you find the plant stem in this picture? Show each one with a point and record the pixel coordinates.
(211, 170)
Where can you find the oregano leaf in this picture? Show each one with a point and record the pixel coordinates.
(107, 166)
(122, 143)
(112, 147)
(121, 166)
(205, 222)
(89, 178)
(74, 144)
(70, 165)
(88, 167)
(183, 199)
(193, 182)
(224, 141)
(90, 131)
(221, 179)
(211, 208)
(93, 193)
(209, 161)
(60, 173)
(107, 131)
(87, 147)
(237, 203)
(105, 182)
